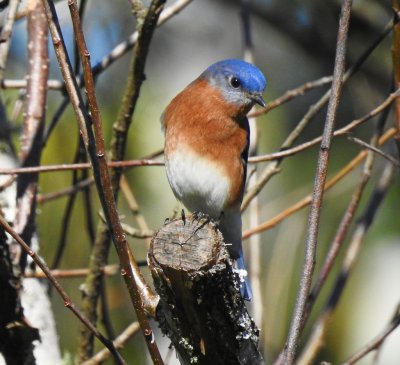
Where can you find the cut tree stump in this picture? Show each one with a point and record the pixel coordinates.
(201, 309)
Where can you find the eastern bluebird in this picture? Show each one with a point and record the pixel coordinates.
(207, 144)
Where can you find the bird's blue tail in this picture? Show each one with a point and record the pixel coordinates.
(245, 287)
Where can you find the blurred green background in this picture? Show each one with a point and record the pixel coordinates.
(294, 42)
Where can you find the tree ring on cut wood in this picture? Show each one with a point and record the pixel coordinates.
(185, 244)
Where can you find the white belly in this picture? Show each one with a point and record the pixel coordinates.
(198, 183)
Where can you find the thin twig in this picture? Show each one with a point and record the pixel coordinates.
(317, 336)
(9, 182)
(340, 132)
(117, 52)
(22, 84)
(77, 166)
(80, 185)
(80, 155)
(342, 230)
(382, 107)
(302, 203)
(67, 300)
(119, 342)
(291, 94)
(254, 246)
(314, 109)
(131, 274)
(124, 47)
(108, 270)
(318, 192)
(327, 79)
(377, 342)
(393, 160)
(130, 271)
(349, 214)
(5, 36)
(31, 137)
(54, 120)
(134, 208)
(142, 233)
(396, 66)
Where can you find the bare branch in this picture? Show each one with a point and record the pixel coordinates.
(77, 166)
(31, 138)
(44, 198)
(130, 271)
(134, 208)
(396, 65)
(318, 192)
(314, 109)
(67, 300)
(124, 47)
(377, 342)
(119, 342)
(306, 200)
(340, 132)
(22, 84)
(345, 223)
(5, 36)
(116, 53)
(291, 94)
(393, 160)
(109, 270)
(316, 338)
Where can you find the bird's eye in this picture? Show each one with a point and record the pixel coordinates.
(235, 82)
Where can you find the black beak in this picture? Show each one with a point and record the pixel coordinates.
(258, 99)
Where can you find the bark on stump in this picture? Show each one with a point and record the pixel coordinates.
(201, 309)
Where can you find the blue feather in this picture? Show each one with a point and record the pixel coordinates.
(250, 76)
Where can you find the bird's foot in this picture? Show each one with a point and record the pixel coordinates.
(199, 215)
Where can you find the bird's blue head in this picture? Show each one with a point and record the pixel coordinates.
(240, 82)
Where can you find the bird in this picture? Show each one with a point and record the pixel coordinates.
(206, 147)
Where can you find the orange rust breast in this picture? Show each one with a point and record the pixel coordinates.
(201, 119)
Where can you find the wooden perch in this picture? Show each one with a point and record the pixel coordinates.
(201, 309)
